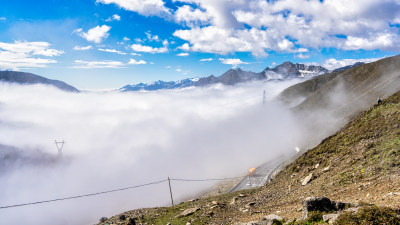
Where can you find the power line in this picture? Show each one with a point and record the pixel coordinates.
(212, 179)
(120, 189)
(81, 196)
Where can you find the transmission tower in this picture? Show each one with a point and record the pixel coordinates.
(59, 145)
(264, 98)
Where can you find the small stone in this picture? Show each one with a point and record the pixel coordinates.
(214, 202)
(103, 219)
(307, 179)
(326, 169)
(234, 200)
(249, 205)
(242, 195)
(131, 221)
(245, 210)
(122, 217)
(316, 166)
(330, 218)
(188, 212)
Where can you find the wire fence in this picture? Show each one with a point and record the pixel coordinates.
(117, 190)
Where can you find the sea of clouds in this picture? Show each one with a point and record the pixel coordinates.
(115, 140)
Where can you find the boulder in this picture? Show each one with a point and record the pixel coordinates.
(322, 204)
(272, 219)
(122, 217)
(307, 179)
(103, 219)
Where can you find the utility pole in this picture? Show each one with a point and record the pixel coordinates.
(170, 191)
(59, 145)
(264, 98)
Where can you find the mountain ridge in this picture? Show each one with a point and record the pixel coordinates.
(30, 78)
(284, 71)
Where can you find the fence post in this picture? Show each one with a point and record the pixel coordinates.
(170, 191)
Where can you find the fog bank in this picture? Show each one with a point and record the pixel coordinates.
(115, 140)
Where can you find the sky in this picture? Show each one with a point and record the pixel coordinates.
(98, 44)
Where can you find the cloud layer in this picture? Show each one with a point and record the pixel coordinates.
(115, 140)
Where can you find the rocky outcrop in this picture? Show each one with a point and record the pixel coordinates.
(323, 204)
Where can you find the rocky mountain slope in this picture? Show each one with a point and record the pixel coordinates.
(29, 78)
(358, 164)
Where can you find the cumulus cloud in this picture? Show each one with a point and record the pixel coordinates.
(115, 17)
(234, 62)
(149, 49)
(96, 34)
(252, 26)
(23, 54)
(3, 18)
(81, 64)
(83, 48)
(134, 62)
(302, 56)
(332, 64)
(191, 17)
(183, 54)
(126, 39)
(112, 51)
(206, 60)
(115, 140)
(143, 7)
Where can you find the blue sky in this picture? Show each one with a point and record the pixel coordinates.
(110, 43)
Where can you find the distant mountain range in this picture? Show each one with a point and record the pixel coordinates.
(29, 78)
(284, 71)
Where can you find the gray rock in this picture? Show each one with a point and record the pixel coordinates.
(322, 204)
(307, 179)
(188, 212)
(330, 218)
(103, 219)
(272, 219)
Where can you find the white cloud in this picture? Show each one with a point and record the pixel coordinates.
(134, 62)
(126, 39)
(234, 62)
(183, 54)
(191, 17)
(135, 54)
(184, 47)
(115, 17)
(261, 26)
(143, 7)
(332, 64)
(80, 64)
(24, 55)
(302, 56)
(112, 51)
(3, 18)
(151, 37)
(223, 41)
(206, 60)
(96, 34)
(149, 49)
(79, 48)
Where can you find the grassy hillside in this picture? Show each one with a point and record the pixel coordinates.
(360, 163)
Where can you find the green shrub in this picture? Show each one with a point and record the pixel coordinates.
(370, 215)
